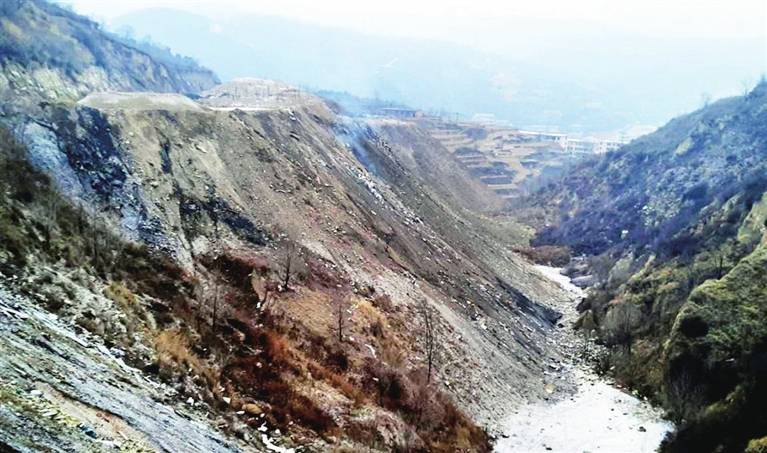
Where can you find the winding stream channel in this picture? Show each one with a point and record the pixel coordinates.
(596, 417)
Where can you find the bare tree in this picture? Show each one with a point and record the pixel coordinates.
(214, 300)
(288, 264)
(340, 304)
(105, 247)
(745, 85)
(719, 264)
(428, 335)
(94, 245)
(685, 395)
(52, 203)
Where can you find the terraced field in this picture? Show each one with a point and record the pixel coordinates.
(509, 162)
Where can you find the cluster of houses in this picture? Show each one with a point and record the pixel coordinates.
(592, 145)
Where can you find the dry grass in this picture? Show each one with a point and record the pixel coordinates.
(320, 276)
(269, 376)
(122, 295)
(175, 356)
(136, 318)
(384, 304)
(238, 266)
(285, 350)
(385, 380)
(338, 381)
(392, 352)
(435, 417)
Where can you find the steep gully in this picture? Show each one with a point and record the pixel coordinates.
(592, 415)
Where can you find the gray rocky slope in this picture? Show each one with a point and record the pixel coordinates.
(244, 168)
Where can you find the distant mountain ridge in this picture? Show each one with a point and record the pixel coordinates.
(594, 84)
(58, 56)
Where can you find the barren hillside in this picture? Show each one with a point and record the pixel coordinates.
(279, 268)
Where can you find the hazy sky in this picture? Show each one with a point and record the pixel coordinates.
(467, 21)
(651, 58)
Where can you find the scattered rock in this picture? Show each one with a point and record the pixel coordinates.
(584, 281)
(88, 431)
(252, 409)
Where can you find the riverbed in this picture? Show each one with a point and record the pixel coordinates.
(595, 417)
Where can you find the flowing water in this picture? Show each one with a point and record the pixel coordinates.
(597, 417)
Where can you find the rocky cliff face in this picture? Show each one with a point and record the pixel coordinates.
(674, 224)
(277, 265)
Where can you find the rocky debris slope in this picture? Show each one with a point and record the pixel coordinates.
(310, 259)
(189, 181)
(139, 101)
(426, 157)
(200, 184)
(66, 391)
(672, 221)
(256, 94)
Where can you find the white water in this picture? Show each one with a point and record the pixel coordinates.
(596, 418)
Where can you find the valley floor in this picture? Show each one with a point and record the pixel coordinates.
(593, 415)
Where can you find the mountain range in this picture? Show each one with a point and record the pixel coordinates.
(555, 86)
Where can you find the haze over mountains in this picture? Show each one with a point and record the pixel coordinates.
(603, 79)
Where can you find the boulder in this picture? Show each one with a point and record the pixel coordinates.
(584, 281)
(252, 409)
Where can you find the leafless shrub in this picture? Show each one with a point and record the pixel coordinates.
(685, 396)
(340, 305)
(428, 335)
(619, 324)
